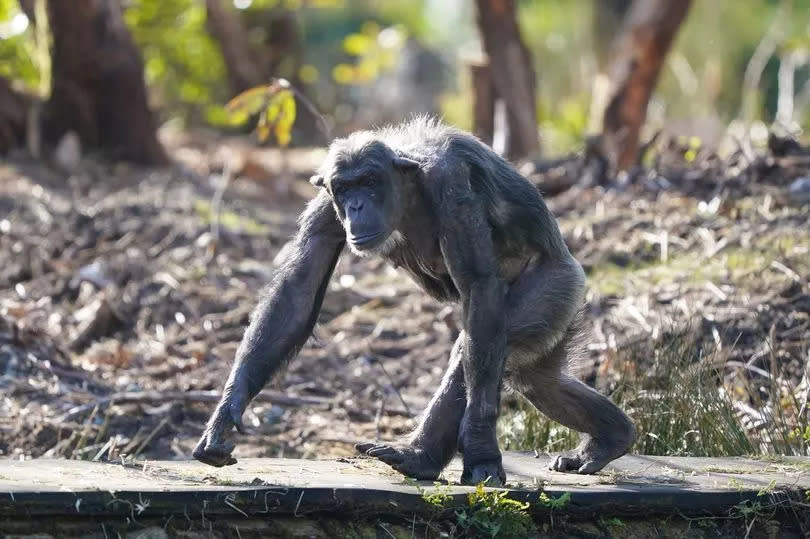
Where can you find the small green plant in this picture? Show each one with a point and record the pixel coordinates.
(555, 503)
(751, 511)
(493, 514)
(736, 484)
(799, 434)
(488, 513)
(439, 498)
(768, 489)
(612, 523)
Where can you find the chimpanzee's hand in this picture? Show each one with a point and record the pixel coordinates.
(214, 448)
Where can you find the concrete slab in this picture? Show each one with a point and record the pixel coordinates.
(632, 485)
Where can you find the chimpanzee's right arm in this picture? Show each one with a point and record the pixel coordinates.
(279, 326)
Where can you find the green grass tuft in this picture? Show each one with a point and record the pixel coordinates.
(684, 402)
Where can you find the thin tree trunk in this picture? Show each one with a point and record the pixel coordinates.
(608, 16)
(483, 101)
(241, 64)
(14, 108)
(639, 55)
(98, 89)
(512, 74)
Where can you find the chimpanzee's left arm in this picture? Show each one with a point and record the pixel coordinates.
(279, 326)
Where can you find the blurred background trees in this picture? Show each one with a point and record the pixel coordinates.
(557, 72)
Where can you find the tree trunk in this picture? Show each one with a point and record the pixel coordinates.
(98, 89)
(14, 108)
(639, 54)
(607, 20)
(242, 66)
(512, 74)
(483, 101)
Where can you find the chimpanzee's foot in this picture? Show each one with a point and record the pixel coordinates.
(410, 461)
(491, 473)
(590, 457)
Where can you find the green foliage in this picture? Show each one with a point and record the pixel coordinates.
(275, 106)
(563, 124)
(183, 65)
(492, 514)
(350, 42)
(20, 53)
(375, 49)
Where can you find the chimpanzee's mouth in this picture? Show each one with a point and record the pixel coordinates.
(365, 240)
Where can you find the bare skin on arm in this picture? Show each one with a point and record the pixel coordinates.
(468, 229)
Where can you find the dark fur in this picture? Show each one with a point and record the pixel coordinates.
(469, 229)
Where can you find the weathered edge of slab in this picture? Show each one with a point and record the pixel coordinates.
(306, 501)
(633, 486)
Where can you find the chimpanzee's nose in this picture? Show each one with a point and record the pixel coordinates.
(355, 205)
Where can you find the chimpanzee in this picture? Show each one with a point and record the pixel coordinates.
(470, 229)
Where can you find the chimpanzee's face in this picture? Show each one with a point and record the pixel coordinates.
(367, 193)
(365, 201)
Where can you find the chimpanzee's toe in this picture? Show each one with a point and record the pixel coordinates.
(407, 460)
(592, 466)
(388, 454)
(363, 447)
(567, 462)
(489, 473)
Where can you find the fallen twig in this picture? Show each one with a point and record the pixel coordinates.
(186, 396)
(150, 437)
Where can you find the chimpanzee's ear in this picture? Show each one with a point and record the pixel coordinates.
(316, 180)
(403, 163)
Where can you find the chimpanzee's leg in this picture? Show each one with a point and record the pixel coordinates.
(539, 373)
(539, 307)
(607, 433)
(435, 440)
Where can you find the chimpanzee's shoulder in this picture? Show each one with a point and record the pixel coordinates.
(423, 138)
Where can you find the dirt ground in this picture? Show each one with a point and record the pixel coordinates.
(124, 293)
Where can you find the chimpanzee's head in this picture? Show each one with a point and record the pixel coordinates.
(365, 178)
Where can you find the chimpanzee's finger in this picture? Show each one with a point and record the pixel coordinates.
(236, 419)
(380, 450)
(363, 447)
